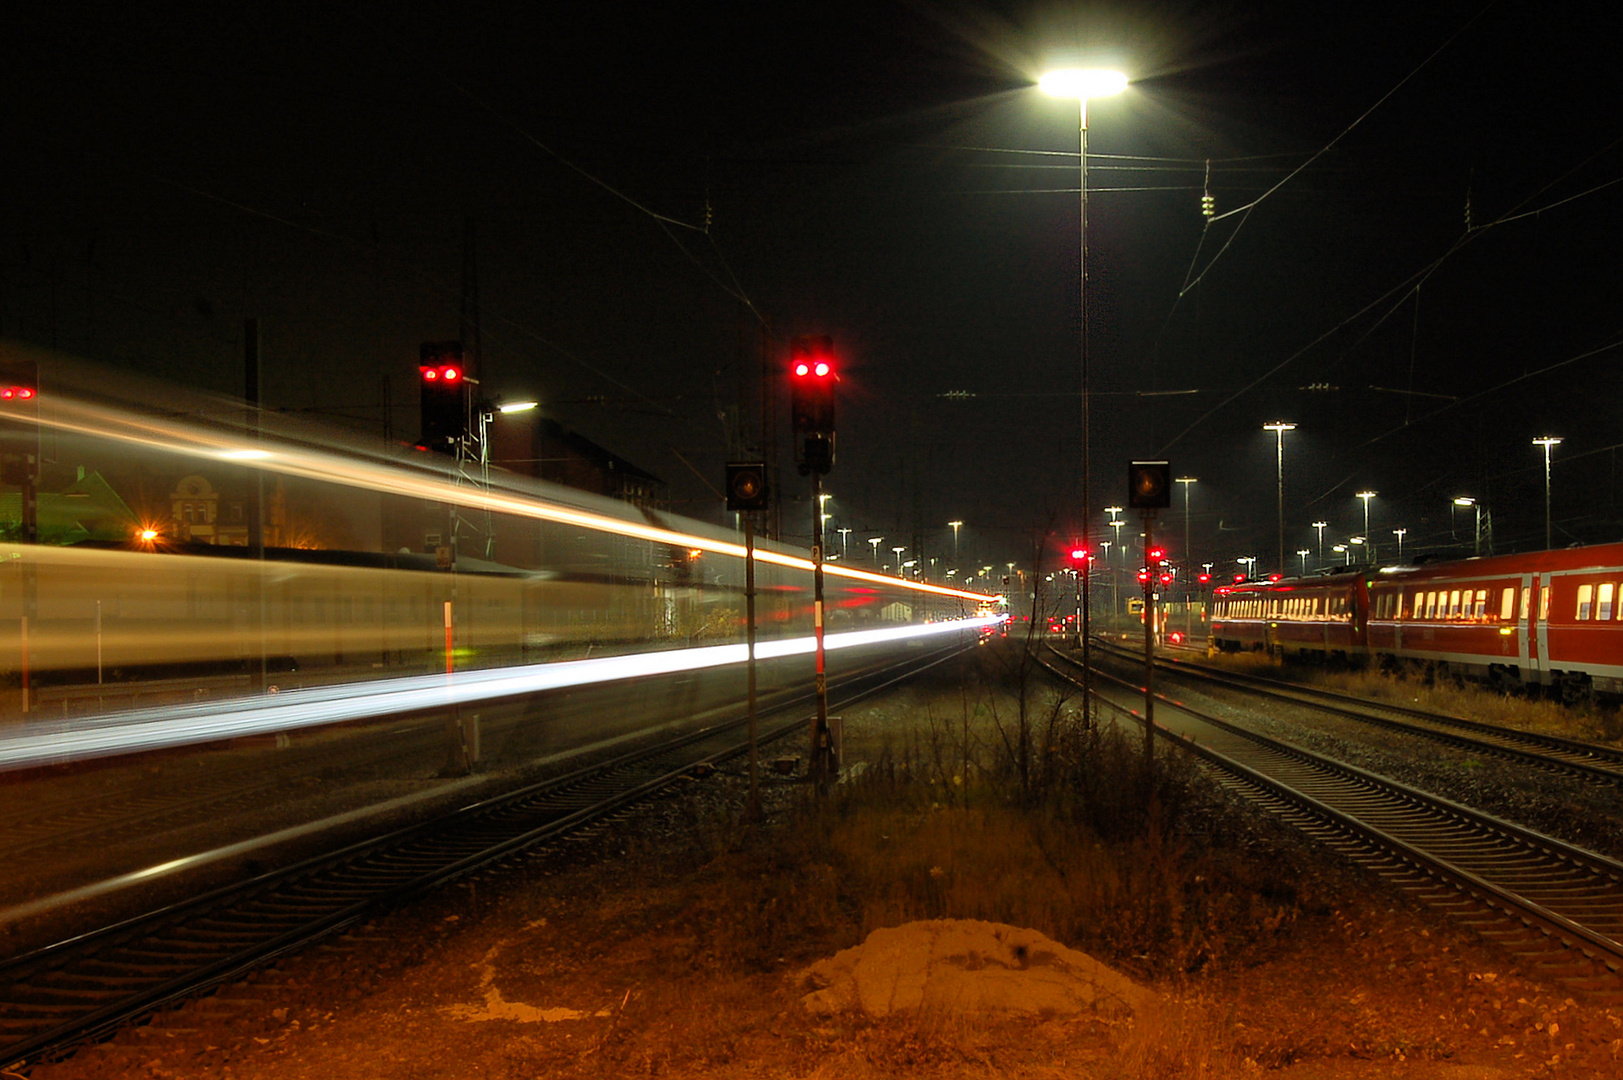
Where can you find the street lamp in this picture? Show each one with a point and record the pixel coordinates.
(876, 541)
(1343, 550)
(845, 541)
(898, 551)
(1304, 553)
(1083, 84)
(1186, 481)
(1279, 427)
(1466, 500)
(1360, 541)
(956, 525)
(1367, 496)
(1247, 561)
(1321, 526)
(1399, 534)
(1547, 442)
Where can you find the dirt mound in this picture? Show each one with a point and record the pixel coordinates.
(966, 966)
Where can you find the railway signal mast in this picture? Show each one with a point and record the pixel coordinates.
(1149, 488)
(811, 415)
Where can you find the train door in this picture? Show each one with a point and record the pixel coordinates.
(1531, 637)
(1541, 615)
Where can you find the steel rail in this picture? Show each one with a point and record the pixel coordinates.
(1587, 760)
(1570, 895)
(77, 989)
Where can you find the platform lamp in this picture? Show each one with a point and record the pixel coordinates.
(1367, 496)
(1547, 442)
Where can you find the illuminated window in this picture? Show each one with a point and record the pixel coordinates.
(1454, 604)
(1481, 608)
(1586, 596)
(1544, 604)
(1605, 611)
(1526, 602)
(1431, 605)
(1507, 605)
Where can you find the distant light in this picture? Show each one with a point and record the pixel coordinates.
(1083, 83)
(518, 406)
(148, 535)
(245, 455)
(1464, 501)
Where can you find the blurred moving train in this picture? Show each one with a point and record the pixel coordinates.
(425, 563)
(1550, 619)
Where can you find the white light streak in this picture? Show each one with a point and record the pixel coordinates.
(174, 436)
(48, 743)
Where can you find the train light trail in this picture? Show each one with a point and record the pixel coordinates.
(394, 477)
(56, 742)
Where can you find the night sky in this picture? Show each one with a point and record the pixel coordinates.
(1428, 276)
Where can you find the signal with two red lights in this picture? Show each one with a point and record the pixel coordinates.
(443, 385)
(16, 393)
(812, 377)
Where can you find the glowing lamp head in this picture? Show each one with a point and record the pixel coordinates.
(1083, 83)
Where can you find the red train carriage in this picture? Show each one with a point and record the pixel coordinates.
(1549, 618)
(1317, 616)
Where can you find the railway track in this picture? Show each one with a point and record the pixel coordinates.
(78, 989)
(1558, 907)
(1585, 760)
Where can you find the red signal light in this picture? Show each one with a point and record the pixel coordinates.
(802, 369)
(1143, 576)
(1204, 578)
(450, 374)
(1275, 577)
(1239, 577)
(16, 393)
(1079, 555)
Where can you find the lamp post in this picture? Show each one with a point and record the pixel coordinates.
(1465, 500)
(1367, 496)
(1343, 550)
(956, 525)
(845, 542)
(1188, 556)
(876, 541)
(1547, 442)
(1279, 427)
(1083, 84)
(898, 551)
(1321, 526)
(1399, 533)
(1304, 553)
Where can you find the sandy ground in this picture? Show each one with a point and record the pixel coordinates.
(623, 968)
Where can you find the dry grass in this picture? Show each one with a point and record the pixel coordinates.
(935, 823)
(1595, 721)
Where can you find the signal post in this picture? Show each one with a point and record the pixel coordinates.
(1149, 488)
(811, 414)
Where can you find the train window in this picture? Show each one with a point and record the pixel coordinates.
(1605, 601)
(1527, 596)
(1431, 605)
(1586, 597)
(1481, 604)
(1507, 605)
(1544, 604)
